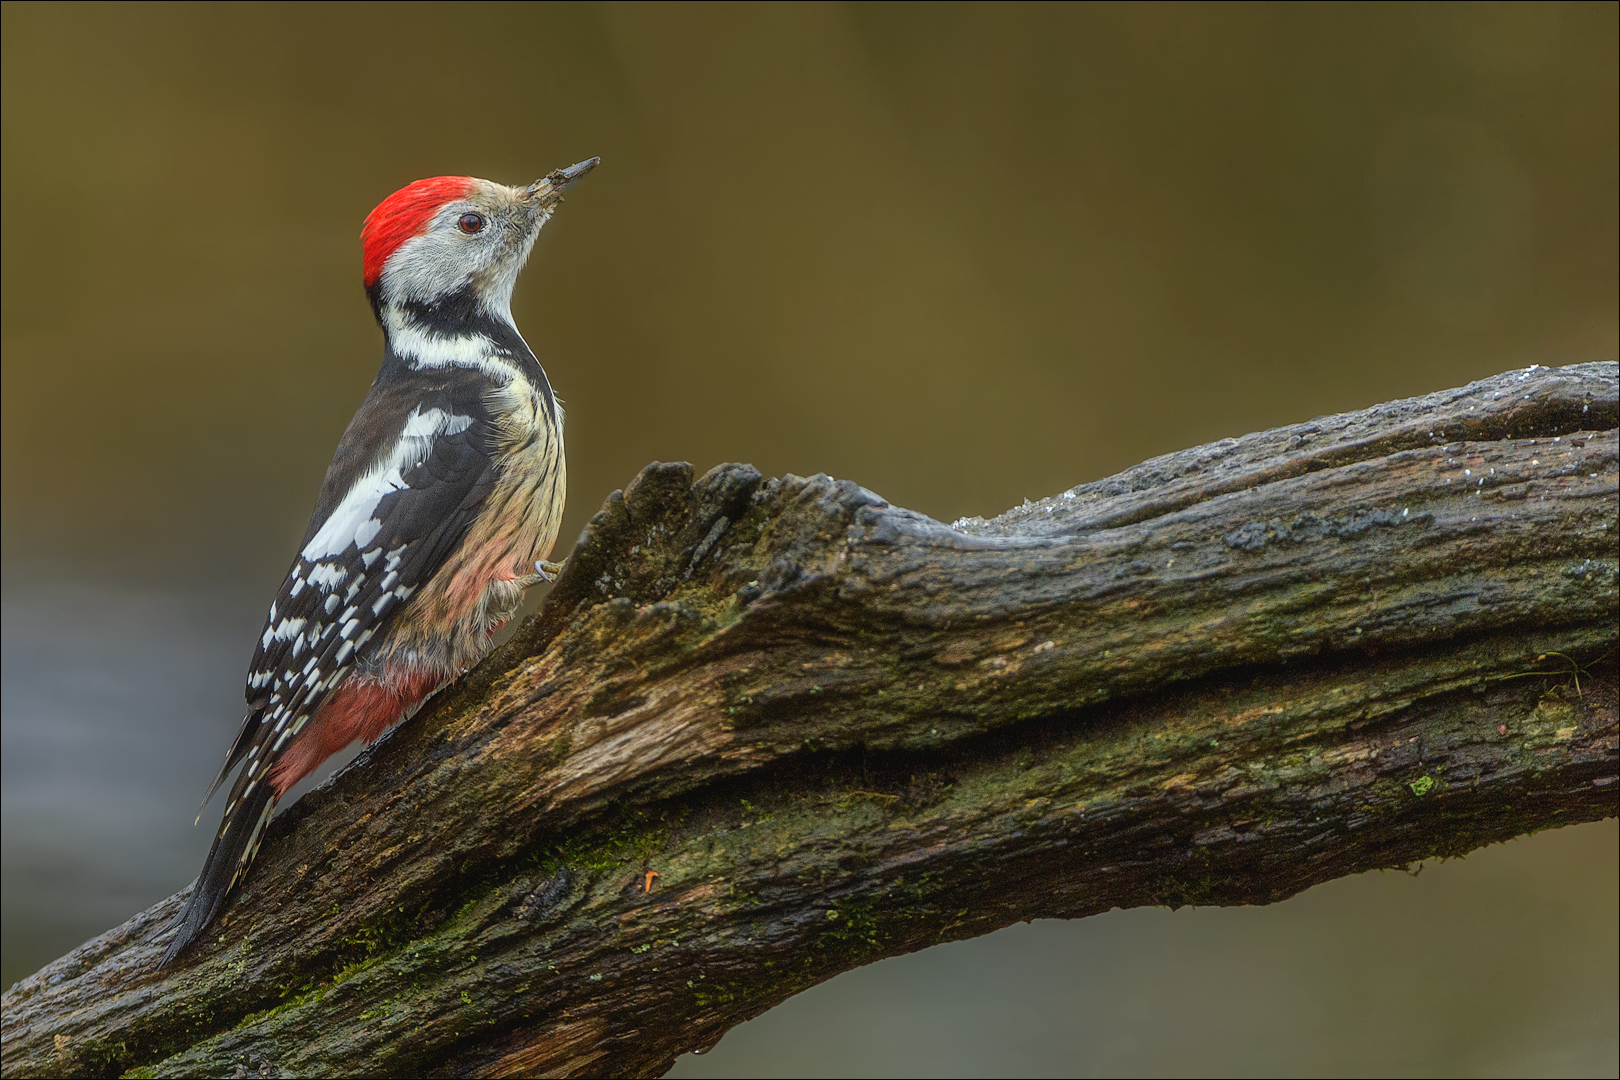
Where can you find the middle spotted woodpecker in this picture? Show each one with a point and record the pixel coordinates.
(437, 513)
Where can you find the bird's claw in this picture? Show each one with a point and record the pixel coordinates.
(548, 571)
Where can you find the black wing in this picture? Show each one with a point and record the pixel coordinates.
(411, 473)
(409, 477)
(380, 532)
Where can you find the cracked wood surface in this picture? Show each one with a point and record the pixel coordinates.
(762, 732)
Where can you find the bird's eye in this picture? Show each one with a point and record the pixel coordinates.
(471, 223)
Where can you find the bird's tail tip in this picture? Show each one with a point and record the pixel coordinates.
(228, 860)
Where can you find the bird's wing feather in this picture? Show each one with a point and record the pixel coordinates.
(412, 472)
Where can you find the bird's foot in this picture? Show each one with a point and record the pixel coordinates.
(548, 571)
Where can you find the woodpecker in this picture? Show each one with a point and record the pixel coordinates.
(438, 511)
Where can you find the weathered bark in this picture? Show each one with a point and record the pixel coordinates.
(762, 733)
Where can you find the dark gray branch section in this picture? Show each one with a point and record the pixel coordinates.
(763, 732)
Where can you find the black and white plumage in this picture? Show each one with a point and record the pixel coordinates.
(437, 513)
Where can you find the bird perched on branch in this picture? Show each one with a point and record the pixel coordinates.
(437, 513)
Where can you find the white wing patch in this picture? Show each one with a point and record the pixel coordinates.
(337, 562)
(354, 574)
(327, 575)
(353, 522)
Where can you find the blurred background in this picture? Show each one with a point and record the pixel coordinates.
(963, 255)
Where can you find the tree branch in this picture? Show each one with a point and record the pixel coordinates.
(765, 732)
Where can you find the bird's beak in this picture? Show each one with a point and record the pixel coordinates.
(550, 186)
(561, 178)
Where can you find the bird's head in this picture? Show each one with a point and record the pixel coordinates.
(453, 244)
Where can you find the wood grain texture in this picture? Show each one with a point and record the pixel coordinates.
(763, 732)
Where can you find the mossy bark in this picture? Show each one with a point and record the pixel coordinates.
(763, 732)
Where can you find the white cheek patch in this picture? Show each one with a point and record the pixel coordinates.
(437, 262)
(442, 259)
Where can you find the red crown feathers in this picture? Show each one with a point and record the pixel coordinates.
(405, 214)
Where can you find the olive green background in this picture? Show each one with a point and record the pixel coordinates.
(962, 255)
